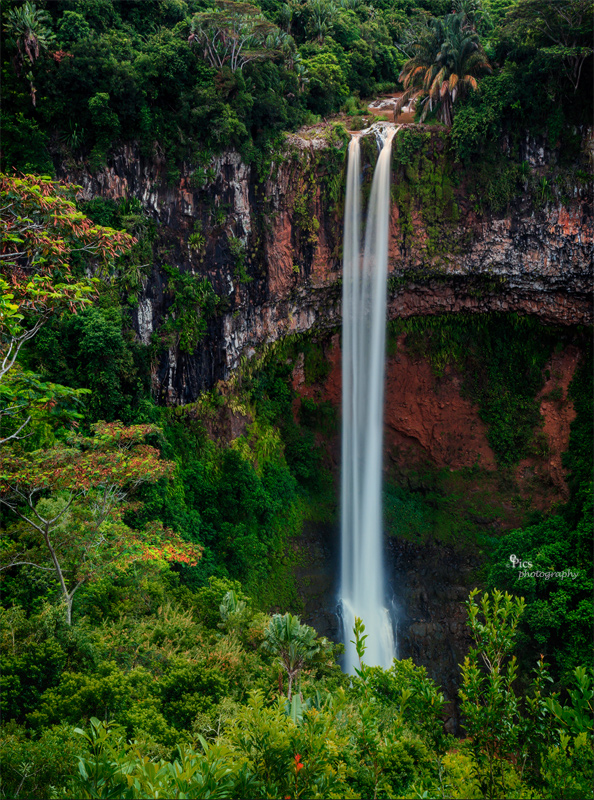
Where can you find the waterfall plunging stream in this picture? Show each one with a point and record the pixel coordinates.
(363, 356)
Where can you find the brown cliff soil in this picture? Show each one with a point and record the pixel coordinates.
(551, 441)
(429, 415)
(431, 428)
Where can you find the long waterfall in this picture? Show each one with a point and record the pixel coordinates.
(363, 356)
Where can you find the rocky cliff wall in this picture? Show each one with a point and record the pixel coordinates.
(271, 246)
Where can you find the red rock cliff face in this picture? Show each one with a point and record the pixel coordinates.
(535, 261)
(428, 419)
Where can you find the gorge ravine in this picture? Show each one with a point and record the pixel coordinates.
(532, 258)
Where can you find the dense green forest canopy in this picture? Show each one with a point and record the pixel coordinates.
(186, 78)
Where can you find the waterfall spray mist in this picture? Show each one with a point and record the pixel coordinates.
(363, 357)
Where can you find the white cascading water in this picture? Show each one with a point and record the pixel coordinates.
(363, 356)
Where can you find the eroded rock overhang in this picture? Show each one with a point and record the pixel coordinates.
(532, 258)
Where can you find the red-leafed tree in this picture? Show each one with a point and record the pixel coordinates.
(71, 503)
(48, 250)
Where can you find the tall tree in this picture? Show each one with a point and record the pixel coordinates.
(561, 29)
(294, 644)
(72, 500)
(232, 35)
(31, 31)
(447, 63)
(43, 236)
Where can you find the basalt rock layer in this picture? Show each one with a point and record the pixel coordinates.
(270, 243)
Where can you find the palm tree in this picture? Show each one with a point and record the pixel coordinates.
(294, 644)
(446, 65)
(30, 28)
(322, 13)
(32, 34)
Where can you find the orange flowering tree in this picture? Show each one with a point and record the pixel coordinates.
(71, 502)
(49, 249)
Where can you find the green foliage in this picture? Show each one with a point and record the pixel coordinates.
(481, 117)
(579, 457)
(359, 642)
(272, 393)
(523, 732)
(320, 416)
(113, 768)
(240, 502)
(193, 302)
(165, 705)
(407, 144)
(286, 757)
(326, 83)
(425, 185)
(197, 240)
(33, 767)
(73, 27)
(165, 80)
(27, 673)
(132, 269)
(239, 255)
(316, 366)
(522, 95)
(26, 144)
(304, 206)
(188, 689)
(92, 350)
(106, 124)
(447, 60)
(419, 703)
(576, 719)
(293, 643)
(69, 502)
(39, 282)
(558, 618)
(567, 771)
(489, 704)
(177, 667)
(558, 584)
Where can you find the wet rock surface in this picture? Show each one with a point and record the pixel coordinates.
(430, 584)
(528, 260)
(316, 578)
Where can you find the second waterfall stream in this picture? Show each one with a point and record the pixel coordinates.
(363, 583)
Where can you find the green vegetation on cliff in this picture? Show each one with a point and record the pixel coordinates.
(181, 693)
(81, 78)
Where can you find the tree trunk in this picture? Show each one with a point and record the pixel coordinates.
(65, 593)
(290, 689)
(69, 609)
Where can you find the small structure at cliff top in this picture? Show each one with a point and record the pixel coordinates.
(362, 590)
